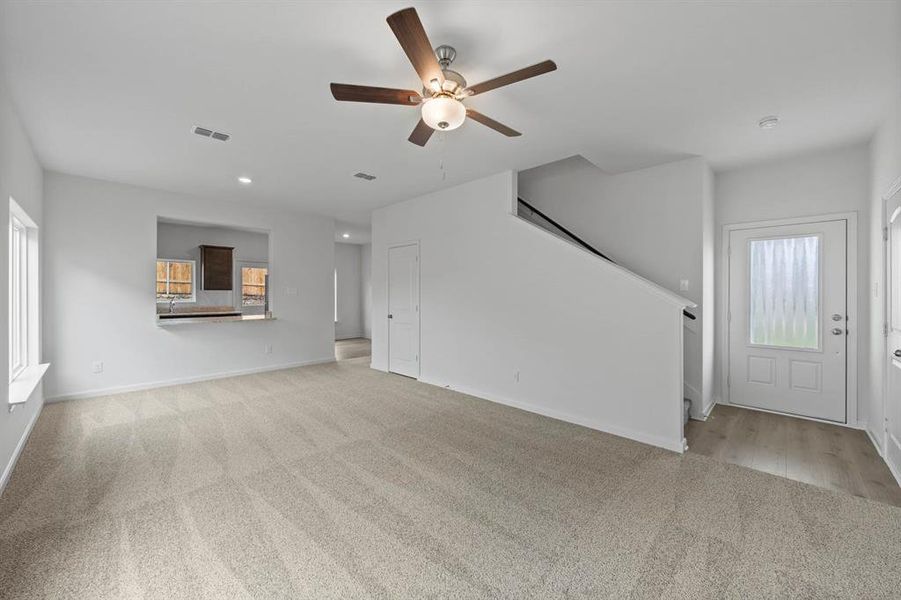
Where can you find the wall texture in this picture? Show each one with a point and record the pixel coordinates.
(511, 313)
(348, 265)
(832, 181)
(21, 178)
(657, 222)
(99, 259)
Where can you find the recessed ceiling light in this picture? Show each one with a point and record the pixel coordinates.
(769, 122)
(345, 235)
(245, 180)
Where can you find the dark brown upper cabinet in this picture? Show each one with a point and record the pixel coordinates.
(216, 267)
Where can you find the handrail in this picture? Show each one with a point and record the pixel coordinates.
(580, 241)
(569, 233)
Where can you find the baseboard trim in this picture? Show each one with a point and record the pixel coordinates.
(875, 441)
(892, 446)
(677, 446)
(122, 389)
(8, 471)
(705, 414)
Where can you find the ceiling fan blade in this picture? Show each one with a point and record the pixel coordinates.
(379, 95)
(412, 37)
(421, 133)
(489, 122)
(533, 71)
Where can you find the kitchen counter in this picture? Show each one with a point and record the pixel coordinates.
(230, 318)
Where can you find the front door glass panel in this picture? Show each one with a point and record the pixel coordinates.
(784, 278)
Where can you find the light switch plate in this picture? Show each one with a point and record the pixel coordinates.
(683, 285)
(97, 366)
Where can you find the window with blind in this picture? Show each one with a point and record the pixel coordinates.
(175, 280)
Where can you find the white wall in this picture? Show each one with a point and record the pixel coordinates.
(348, 263)
(657, 222)
(885, 153)
(99, 261)
(180, 240)
(366, 255)
(831, 181)
(592, 344)
(21, 177)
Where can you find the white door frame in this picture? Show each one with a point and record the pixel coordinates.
(853, 323)
(882, 442)
(388, 300)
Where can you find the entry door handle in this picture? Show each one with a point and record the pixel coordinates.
(837, 331)
(898, 353)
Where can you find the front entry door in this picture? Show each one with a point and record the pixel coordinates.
(893, 319)
(788, 318)
(403, 310)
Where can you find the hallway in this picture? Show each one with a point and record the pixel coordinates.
(352, 348)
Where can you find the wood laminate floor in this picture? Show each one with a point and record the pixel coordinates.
(828, 456)
(352, 348)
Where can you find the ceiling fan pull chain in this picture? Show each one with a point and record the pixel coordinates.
(442, 137)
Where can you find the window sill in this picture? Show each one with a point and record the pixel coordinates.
(21, 388)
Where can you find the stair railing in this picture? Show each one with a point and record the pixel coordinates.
(579, 240)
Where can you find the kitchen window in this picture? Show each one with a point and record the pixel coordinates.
(175, 280)
(253, 286)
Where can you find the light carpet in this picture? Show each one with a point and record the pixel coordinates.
(336, 481)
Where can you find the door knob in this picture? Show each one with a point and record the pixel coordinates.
(390, 316)
(836, 317)
(897, 353)
(837, 331)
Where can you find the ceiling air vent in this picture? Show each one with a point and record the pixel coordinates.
(216, 135)
(365, 176)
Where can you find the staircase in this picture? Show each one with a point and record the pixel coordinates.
(530, 213)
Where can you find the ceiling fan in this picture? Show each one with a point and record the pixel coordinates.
(443, 90)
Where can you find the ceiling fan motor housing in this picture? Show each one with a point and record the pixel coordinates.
(454, 83)
(445, 55)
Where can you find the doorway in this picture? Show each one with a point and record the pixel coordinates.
(787, 318)
(403, 309)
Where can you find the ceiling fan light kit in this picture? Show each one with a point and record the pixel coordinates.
(443, 112)
(443, 90)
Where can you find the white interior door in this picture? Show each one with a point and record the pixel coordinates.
(403, 310)
(893, 320)
(787, 318)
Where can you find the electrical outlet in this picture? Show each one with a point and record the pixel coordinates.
(97, 366)
(267, 349)
(291, 291)
(683, 285)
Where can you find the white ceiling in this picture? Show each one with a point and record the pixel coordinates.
(111, 90)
